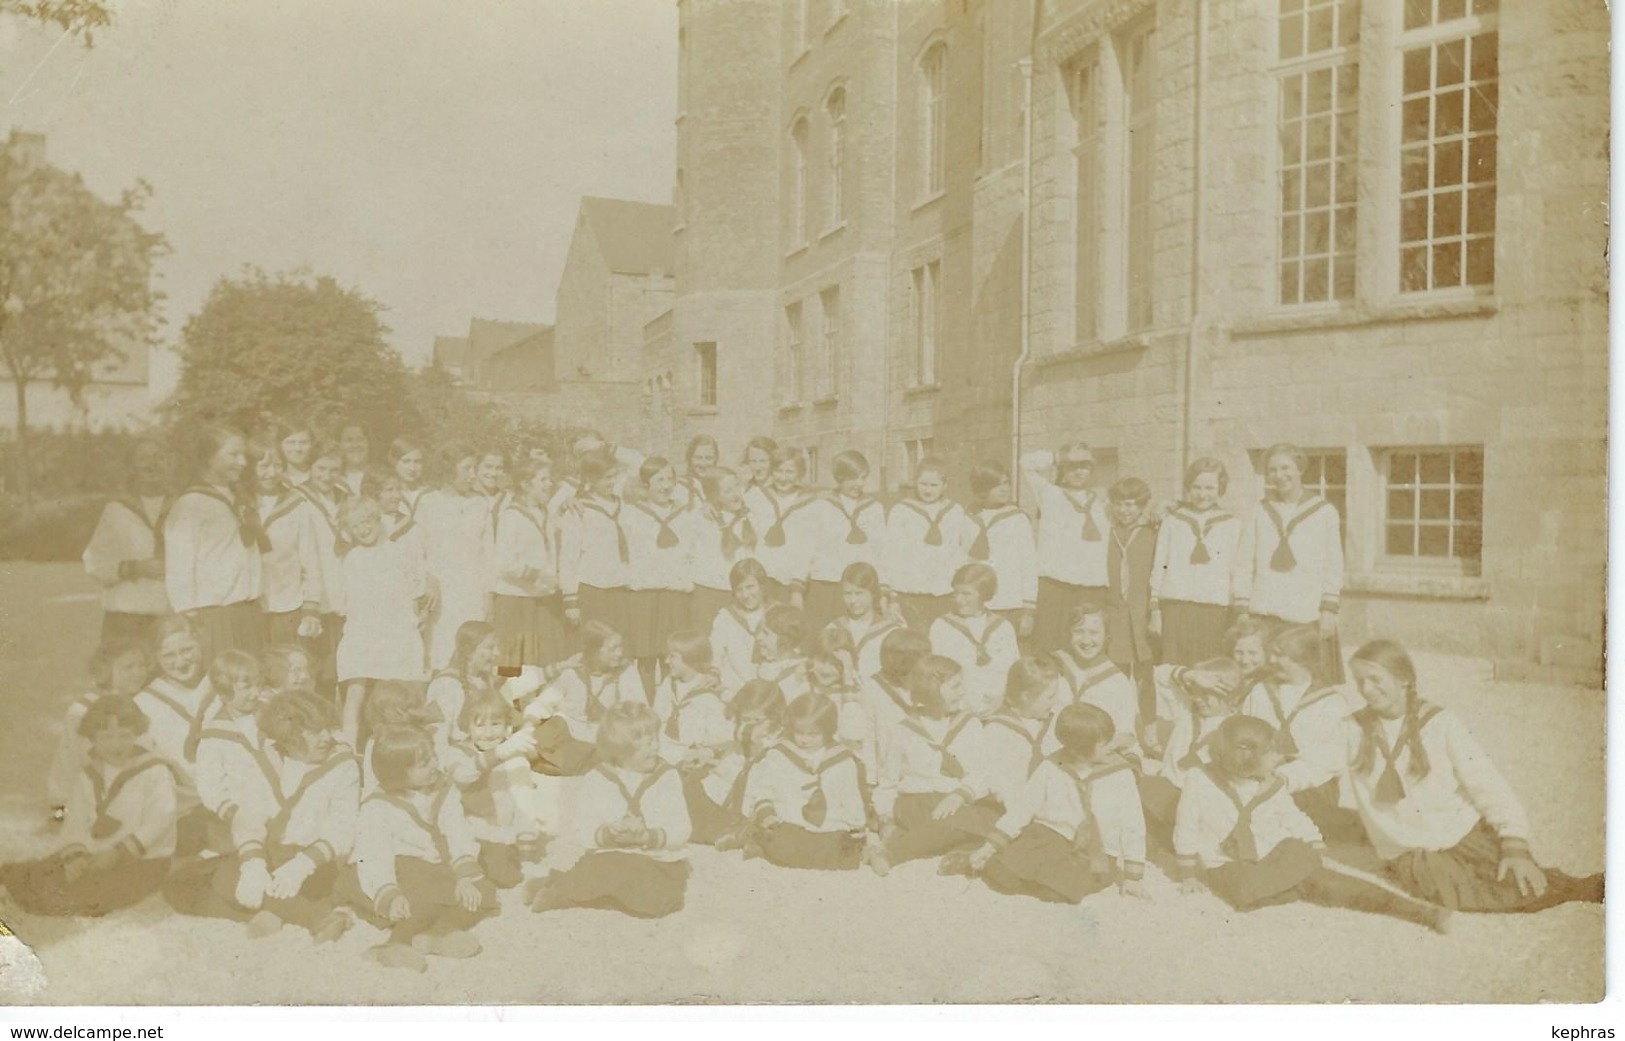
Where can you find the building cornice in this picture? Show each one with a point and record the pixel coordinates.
(1062, 42)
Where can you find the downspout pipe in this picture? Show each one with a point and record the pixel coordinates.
(1198, 223)
(1028, 73)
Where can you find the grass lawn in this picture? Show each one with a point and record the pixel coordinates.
(754, 933)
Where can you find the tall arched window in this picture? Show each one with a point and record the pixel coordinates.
(933, 119)
(799, 183)
(835, 183)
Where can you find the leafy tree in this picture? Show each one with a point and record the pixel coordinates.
(290, 345)
(80, 17)
(75, 282)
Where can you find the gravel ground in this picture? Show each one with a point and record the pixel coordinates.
(753, 933)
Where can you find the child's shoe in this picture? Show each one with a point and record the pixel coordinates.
(264, 923)
(331, 928)
(456, 944)
(541, 896)
(731, 840)
(874, 855)
(955, 863)
(397, 956)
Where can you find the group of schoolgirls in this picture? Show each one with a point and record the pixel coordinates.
(872, 695)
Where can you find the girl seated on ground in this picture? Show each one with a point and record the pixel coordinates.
(625, 825)
(117, 667)
(118, 829)
(491, 766)
(807, 797)
(932, 797)
(1240, 834)
(1437, 811)
(416, 860)
(1076, 827)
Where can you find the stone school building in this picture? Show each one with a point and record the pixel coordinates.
(1175, 228)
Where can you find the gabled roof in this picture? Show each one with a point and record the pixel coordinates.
(486, 337)
(634, 238)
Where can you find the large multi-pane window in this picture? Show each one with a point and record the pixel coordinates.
(933, 120)
(1319, 88)
(923, 310)
(1435, 505)
(799, 183)
(835, 180)
(1139, 89)
(1450, 94)
(1084, 83)
(705, 364)
(830, 356)
(790, 368)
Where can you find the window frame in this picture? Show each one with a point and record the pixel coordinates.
(795, 317)
(925, 301)
(707, 379)
(835, 106)
(1139, 247)
(933, 121)
(1418, 563)
(1471, 25)
(800, 181)
(1345, 57)
(829, 384)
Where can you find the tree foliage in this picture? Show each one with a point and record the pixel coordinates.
(289, 345)
(76, 286)
(80, 17)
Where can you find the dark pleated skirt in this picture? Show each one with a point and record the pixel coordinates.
(706, 605)
(127, 627)
(1042, 863)
(530, 629)
(238, 627)
(613, 607)
(613, 880)
(41, 886)
(1192, 633)
(1246, 884)
(1463, 877)
(822, 604)
(654, 614)
(560, 754)
(921, 835)
(792, 846)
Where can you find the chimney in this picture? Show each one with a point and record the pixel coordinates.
(27, 147)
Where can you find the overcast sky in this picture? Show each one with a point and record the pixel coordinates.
(428, 152)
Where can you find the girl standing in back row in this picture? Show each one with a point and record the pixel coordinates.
(1295, 576)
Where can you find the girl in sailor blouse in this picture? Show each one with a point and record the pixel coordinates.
(291, 592)
(621, 842)
(702, 455)
(735, 629)
(807, 798)
(932, 796)
(660, 576)
(119, 829)
(1196, 570)
(851, 529)
(983, 643)
(927, 538)
(720, 536)
(1020, 734)
(786, 525)
(1071, 541)
(1294, 573)
(212, 548)
(1076, 827)
(125, 553)
(527, 609)
(117, 668)
(861, 616)
(1003, 540)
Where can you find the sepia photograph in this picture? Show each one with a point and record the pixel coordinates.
(885, 502)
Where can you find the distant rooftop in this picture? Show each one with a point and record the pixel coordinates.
(635, 238)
